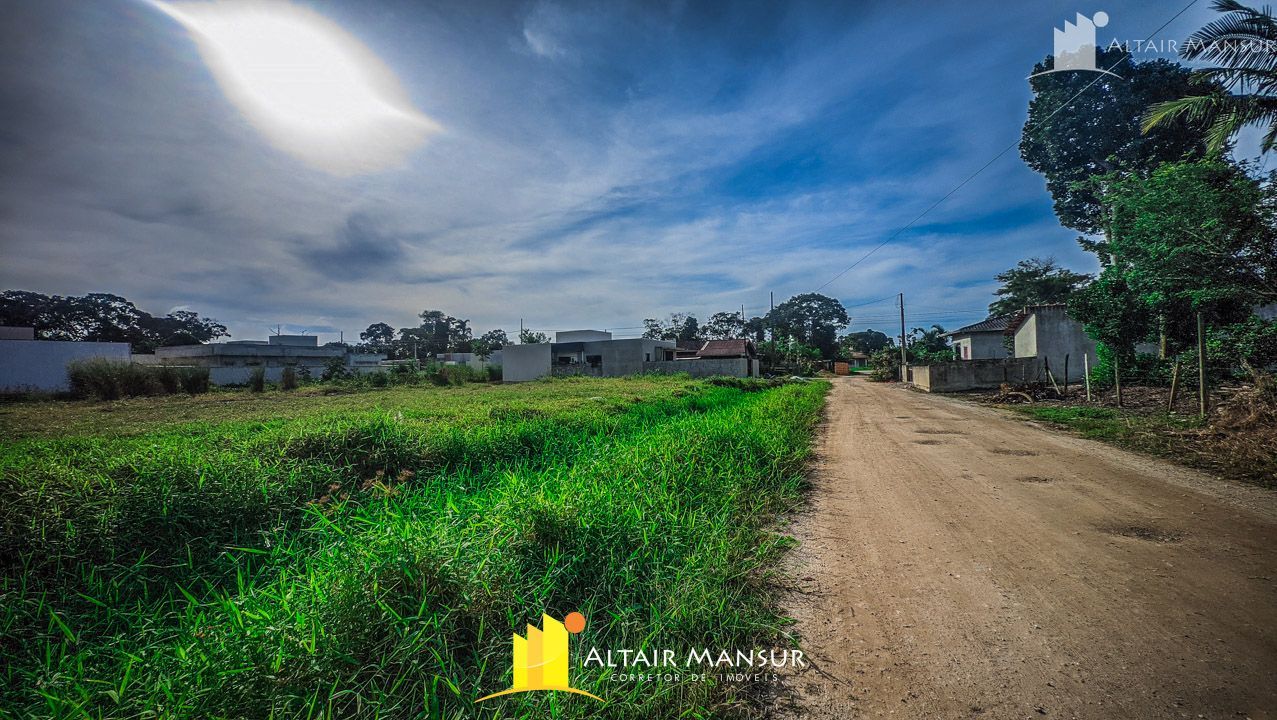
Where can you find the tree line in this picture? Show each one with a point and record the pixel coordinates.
(103, 317)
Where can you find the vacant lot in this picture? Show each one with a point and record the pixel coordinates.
(369, 554)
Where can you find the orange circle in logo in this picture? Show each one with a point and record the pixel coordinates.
(574, 622)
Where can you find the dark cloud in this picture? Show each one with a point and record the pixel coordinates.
(359, 250)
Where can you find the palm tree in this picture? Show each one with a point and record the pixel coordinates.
(1243, 45)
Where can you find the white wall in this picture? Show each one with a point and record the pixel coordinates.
(41, 365)
(525, 362)
(980, 346)
(1051, 335)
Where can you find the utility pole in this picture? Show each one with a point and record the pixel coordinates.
(771, 333)
(1201, 364)
(904, 357)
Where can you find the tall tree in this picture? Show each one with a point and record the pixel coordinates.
(679, 326)
(868, 342)
(724, 326)
(490, 342)
(1240, 89)
(442, 332)
(1071, 139)
(377, 335)
(1194, 237)
(1036, 281)
(811, 319)
(528, 336)
(1113, 314)
(104, 317)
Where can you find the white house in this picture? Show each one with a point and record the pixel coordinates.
(981, 341)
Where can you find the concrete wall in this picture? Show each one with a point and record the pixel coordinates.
(705, 367)
(41, 365)
(980, 346)
(11, 332)
(962, 375)
(617, 358)
(1049, 334)
(525, 362)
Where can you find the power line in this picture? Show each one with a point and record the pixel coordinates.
(995, 158)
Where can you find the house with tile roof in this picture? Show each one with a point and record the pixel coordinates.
(982, 340)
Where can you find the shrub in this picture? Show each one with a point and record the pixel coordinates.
(335, 369)
(194, 380)
(96, 377)
(104, 379)
(257, 380)
(168, 379)
(747, 384)
(885, 364)
(288, 380)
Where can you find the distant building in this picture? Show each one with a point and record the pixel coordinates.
(982, 340)
(594, 353)
(471, 359)
(30, 365)
(233, 362)
(1046, 332)
(1043, 337)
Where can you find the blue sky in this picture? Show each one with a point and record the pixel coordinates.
(598, 163)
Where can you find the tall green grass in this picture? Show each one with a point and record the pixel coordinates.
(374, 564)
(103, 379)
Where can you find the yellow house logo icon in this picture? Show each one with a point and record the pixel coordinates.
(541, 659)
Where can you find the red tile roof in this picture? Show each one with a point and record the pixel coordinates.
(726, 348)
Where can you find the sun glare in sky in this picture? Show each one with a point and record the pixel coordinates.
(309, 86)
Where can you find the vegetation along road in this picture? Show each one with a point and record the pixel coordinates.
(958, 562)
(368, 554)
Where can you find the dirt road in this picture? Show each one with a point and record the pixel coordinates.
(957, 562)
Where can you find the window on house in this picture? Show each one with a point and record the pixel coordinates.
(594, 360)
(647, 357)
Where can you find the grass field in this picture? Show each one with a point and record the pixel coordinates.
(370, 554)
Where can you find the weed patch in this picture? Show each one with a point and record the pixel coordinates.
(371, 558)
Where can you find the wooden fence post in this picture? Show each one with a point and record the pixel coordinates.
(1201, 364)
(1170, 404)
(1086, 374)
(1117, 378)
